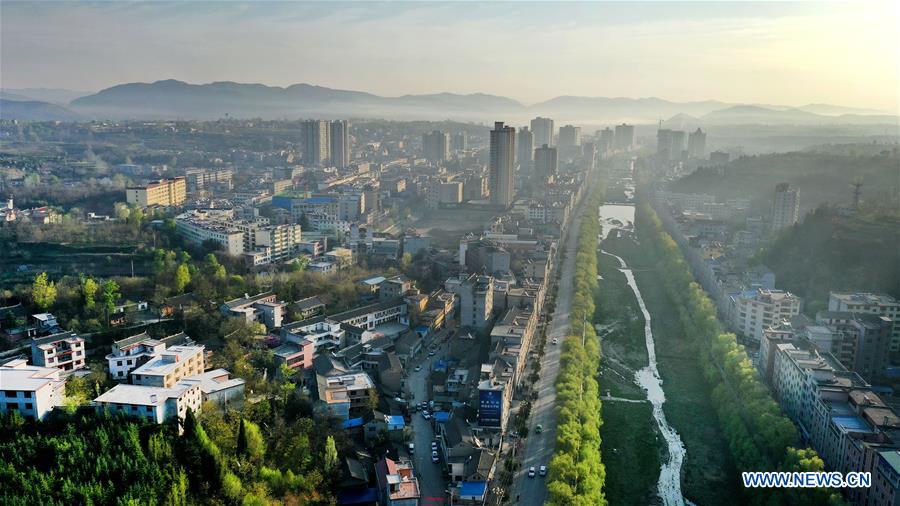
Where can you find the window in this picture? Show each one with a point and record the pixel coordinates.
(10, 393)
(28, 405)
(28, 395)
(119, 362)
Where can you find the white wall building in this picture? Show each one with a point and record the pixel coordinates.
(31, 390)
(756, 310)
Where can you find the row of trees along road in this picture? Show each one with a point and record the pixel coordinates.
(759, 436)
(577, 473)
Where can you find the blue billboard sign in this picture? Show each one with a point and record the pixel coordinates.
(490, 407)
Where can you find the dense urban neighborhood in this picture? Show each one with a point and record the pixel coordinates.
(240, 293)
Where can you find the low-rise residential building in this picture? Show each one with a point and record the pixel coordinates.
(397, 483)
(322, 332)
(756, 310)
(155, 403)
(875, 303)
(132, 352)
(32, 391)
(262, 307)
(260, 242)
(163, 193)
(217, 386)
(341, 389)
(64, 351)
(170, 366)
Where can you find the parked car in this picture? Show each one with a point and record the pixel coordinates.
(426, 415)
(434, 456)
(430, 353)
(418, 368)
(412, 448)
(555, 340)
(538, 429)
(434, 446)
(531, 472)
(543, 471)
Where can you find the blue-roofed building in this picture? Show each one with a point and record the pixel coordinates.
(473, 491)
(351, 423)
(441, 416)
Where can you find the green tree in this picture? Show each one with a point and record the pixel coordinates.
(110, 293)
(89, 289)
(43, 291)
(182, 277)
(331, 454)
(250, 441)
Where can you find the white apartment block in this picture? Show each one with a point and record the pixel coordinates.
(170, 366)
(261, 242)
(31, 390)
(132, 352)
(198, 227)
(756, 310)
(64, 351)
(153, 403)
(875, 303)
(321, 331)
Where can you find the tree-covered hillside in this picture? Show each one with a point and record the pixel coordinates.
(831, 251)
(821, 178)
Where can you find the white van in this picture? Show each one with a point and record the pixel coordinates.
(412, 448)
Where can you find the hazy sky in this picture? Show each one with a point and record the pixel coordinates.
(763, 52)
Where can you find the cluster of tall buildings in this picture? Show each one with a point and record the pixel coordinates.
(677, 144)
(326, 143)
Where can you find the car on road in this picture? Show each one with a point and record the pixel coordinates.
(418, 368)
(531, 472)
(430, 353)
(542, 471)
(434, 456)
(555, 340)
(538, 429)
(426, 415)
(433, 445)
(412, 448)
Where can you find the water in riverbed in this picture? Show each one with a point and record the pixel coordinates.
(669, 485)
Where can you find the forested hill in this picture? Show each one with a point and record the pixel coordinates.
(829, 251)
(821, 178)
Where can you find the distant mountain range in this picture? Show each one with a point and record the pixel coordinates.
(32, 110)
(171, 99)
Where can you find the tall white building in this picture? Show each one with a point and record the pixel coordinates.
(786, 207)
(316, 135)
(340, 143)
(546, 163)
(543, 131)
(436, 146)
(697, 144)
(476, 301)
(624, 137)
(569, 136)
(503, 154)
(525, 147)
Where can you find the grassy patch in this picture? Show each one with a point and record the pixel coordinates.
(630, 450)
(709, 475)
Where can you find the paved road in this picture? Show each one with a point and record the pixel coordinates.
(431, 480)
(538, 449)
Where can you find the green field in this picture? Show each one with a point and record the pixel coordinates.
(630, 452)
(709, 475)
